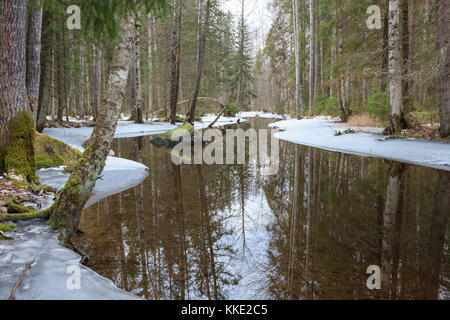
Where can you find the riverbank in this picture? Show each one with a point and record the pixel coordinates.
(325, 133)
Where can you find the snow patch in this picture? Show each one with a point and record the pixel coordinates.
(319, 133)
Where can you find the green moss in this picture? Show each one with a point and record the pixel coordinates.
(50, 152)
(7, 227)
(5, 237)
(165, 139)
(19, 155)
(168, 134)
(14, 206)
(30, 215)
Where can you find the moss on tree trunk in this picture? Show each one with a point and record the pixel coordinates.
(17, 158)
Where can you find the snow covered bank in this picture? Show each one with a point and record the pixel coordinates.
(117, 176)
(35, 241)
(319, 133)
(75, 137)
(222, 121)
(261, 114)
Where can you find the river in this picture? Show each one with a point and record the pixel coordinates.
(308, 232)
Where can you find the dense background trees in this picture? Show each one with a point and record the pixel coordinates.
(318, 53)
(347, 68)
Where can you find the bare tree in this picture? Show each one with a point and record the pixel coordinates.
(34, 54)
(202, 37)
(174, 62)
(311, 56)
(298, 86)
(443, 29)
(397, 120)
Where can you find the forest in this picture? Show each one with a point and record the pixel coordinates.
(369, 78)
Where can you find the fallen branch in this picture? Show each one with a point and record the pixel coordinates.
(19, 282)
(217, 118)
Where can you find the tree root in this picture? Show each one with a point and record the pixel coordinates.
(30, 215)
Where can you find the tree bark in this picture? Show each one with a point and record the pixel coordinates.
(96, 80)
(34, 54)
(174, 59)
(397, 120)
(241, 57)
(443, 29)
(298, 87)
(16, 123)
(405, 51)
(385, 55)
(311, 56)
(46, 81)
(137, 45)
(151, 73)
(202, 37)
(67, 209)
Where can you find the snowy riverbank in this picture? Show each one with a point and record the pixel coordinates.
(319, 133)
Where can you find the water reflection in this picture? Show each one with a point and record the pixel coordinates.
(310, 232)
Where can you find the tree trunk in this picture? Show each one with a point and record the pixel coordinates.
(67, 209)
(46, 81)
(385, 55)
(443, 29)
(133, 89)
(316, 50)
(151, 73)
(298, 75)
(202, 37)
(397, 121)
(16, 123)
(96, 80)
(59, 70)
(82, 83)
(405, 51)
(241, 57)
(34, 54)
(311, 56)
(174, 58)
(137, 45)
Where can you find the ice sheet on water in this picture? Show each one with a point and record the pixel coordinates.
(49, 274)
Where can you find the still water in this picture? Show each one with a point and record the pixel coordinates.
(309, 232)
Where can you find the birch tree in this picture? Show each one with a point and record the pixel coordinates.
(397, 120)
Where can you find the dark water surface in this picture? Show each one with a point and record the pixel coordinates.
(310, 232)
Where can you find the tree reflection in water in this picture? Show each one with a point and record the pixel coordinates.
(309, 232)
